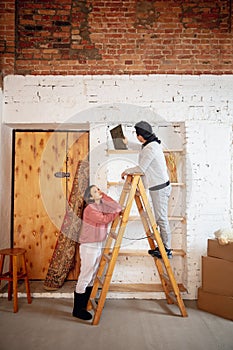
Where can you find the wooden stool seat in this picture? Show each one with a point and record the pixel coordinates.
(17, 270)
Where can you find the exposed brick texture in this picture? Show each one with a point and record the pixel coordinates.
(7, 37)
(116, 37)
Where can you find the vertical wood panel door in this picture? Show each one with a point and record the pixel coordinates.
(40, 193)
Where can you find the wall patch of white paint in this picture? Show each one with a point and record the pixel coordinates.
(204, 104)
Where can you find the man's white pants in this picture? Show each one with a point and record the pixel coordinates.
(90, 255)
(160, 200)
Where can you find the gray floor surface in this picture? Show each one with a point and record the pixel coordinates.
(125, 324)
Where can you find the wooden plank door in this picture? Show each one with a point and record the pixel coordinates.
(40, 196)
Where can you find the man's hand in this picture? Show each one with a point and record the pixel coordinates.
(125, 141)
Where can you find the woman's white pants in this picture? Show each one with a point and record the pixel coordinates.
(90, 255)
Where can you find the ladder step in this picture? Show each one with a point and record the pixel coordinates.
(93, 303)
(127, 187)
(140, 287)
(140, 252)
(170, 218)
(107, 257)
(113, 235)
(101, 282)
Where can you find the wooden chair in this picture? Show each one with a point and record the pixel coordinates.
(17, 270)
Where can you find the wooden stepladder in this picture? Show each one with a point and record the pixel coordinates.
(133, 190)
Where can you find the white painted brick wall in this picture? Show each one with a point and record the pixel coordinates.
(204, 104)
(208, 188)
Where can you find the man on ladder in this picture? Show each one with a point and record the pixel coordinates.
(152, 164)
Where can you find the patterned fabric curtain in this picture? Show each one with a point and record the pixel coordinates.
(62, 260)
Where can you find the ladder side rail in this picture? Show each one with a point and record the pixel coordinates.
(151, 217)
(152, 246)
(164, 283)
(104, 261)
(162, 251)
(126, 190)
(152, 221)
(124, 217)
(144, 221)
(105, 287)
(108, 246)
(104, 290)
(115, 250)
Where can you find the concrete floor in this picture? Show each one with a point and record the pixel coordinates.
(125, 324)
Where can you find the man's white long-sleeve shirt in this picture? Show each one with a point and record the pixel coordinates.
(151, 161)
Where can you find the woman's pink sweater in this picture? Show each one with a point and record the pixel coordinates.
(96, 218)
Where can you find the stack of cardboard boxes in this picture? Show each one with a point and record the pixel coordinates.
(216, 294)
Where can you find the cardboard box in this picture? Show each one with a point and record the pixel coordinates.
(217, 276)
(216, 304)
(216, 250)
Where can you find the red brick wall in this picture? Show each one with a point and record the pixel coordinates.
(116, 37)
(7, 37)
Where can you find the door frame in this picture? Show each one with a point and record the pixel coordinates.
(15, 132)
